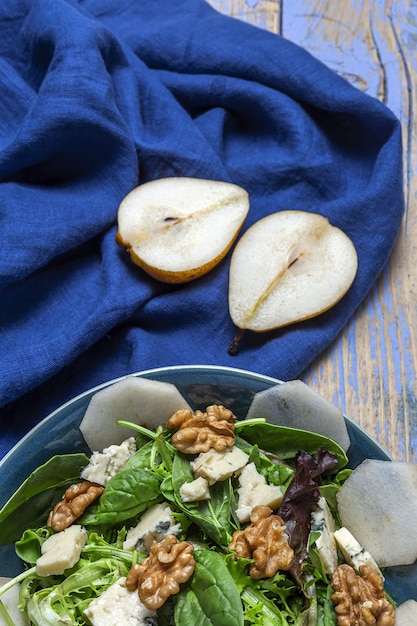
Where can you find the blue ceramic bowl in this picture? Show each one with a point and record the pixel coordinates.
(200, 385)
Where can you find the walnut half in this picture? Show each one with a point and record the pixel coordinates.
(264, 541)
(170, 563)
(73, 504)
(360, 600)
(198, 432)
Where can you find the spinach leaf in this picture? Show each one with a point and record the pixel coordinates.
(127, 494)
(170, 487)
(214, 516)
(155, 455)
(28, 548)
(159, 446)
(30, 505)
(285, 442)
(141, 458)
(212, 598)
(181, 471)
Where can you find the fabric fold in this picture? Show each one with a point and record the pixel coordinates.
(98, 96)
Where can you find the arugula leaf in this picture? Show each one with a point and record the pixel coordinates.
(260, 610)
(220, 510)
(127, 494)
(274, 469)
(212, 598)
(267, 602)
(181, 472)
(316, 565)
(97, 547)
(36, 496)
(330, 489)
(326, 615)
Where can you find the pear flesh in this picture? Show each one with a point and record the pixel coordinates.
(294, 404)
(406, 613)
(378, 504)
(133, 399)
(288, 267)
(179, 228)
(10, 599)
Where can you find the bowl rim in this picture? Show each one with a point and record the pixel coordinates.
(174, 368)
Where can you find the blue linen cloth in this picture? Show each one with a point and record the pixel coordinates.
(98, 96)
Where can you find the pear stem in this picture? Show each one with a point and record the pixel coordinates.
(234, 346)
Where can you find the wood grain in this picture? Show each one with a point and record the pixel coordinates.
(370, 370)
(264, 14)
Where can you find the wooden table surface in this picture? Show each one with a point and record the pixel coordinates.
(370, 370)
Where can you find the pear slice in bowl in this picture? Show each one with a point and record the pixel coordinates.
(179, 228)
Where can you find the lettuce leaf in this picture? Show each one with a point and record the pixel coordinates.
(299, 499)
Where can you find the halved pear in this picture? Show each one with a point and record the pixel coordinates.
(178, 229)
(288, 267)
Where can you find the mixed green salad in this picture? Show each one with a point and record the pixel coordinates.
(306, 467)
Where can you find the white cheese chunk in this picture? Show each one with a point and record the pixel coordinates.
(61, 551)
(255, 491)
(216, 466)
(322, 521)
(104, 465)
(154, 525)
(118, 606)
(195, 490)
(355, 555)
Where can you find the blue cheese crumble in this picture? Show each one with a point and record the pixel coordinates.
(154, 525)
(104, 465)
(119, 606)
